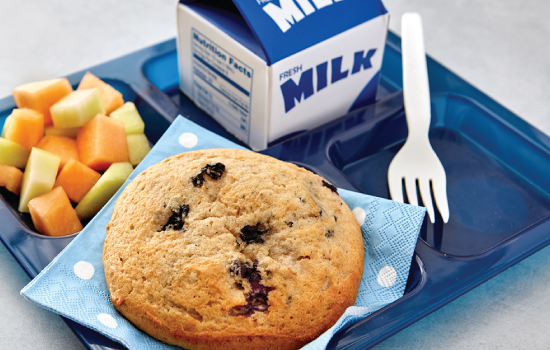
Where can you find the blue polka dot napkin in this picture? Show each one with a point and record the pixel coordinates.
(73, 284)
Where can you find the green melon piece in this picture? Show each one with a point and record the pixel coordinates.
(129, 116)
(39, 176)
(77, 108)
(103, 190)
(138, 147)
(12, 153)
(3, 134)
(67, 132)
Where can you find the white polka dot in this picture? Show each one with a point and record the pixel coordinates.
(107, 320)
(387, 276)
(84, 270)
(359, 215)
(188, 140)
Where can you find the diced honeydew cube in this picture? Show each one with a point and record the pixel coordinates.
(138, 147)
(103, 190)
(77, 108)
(129, 116)
(39, 176)
(12, 153)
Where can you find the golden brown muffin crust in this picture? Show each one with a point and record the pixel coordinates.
(260, 255)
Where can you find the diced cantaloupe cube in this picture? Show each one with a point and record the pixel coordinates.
(10, 178)
(76, 179)
(67, 132)
(103, 190)
(41, 95)
(39, 176)
(102, 142)
(129, 115)
(53, 214)
(112, 98)
(138, 147)
(5, 127)
(12, 153)
(77, 108)
(26, 127)
(62, 146)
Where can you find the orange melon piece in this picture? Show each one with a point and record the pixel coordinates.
(64, 147)
(76, 179)
(11, 178)
(26, 127)
(53, 214)
(112, 98)
(102, 142)
(41, 95)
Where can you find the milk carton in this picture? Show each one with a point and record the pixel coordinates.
(268, 69)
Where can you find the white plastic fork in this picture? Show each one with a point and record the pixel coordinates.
(416, 160)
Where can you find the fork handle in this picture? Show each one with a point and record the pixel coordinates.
(416, 90)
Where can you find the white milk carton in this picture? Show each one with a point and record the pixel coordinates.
(268, 69)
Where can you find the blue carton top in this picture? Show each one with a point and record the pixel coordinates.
(276, 29)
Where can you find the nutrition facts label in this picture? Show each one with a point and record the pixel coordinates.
(221, 85)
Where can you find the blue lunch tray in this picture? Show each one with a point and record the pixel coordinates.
(496, 164)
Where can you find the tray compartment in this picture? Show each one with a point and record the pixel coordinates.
(33, 250)
(490, 199)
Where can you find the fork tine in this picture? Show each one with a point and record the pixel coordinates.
(440, 194)
(396, 190)
(426, 196)
(410, 188)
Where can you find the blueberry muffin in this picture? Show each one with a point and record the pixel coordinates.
(230, 249)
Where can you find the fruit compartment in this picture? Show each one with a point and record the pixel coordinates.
(19, 233)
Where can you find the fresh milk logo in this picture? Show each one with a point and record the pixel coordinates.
(289, 12)
(305, 88)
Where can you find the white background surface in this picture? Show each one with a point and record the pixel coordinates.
(501, 47)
